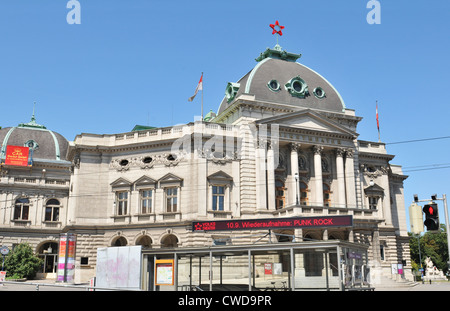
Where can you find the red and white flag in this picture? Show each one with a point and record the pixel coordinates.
(378, 122)
(199, 88)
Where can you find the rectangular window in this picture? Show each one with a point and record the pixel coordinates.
(51, 213)
(279, 194)
(373, 202)
(218, 198)
(122, 203)
(171, 200)
(146, 201)
(21, 209)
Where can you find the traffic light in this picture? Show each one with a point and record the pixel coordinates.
(431, 216)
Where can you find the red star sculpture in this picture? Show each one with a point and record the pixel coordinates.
(276, 28)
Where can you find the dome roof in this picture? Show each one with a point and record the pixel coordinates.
(278, 78)
(46, 144)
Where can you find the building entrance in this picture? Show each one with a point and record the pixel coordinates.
(48, 252)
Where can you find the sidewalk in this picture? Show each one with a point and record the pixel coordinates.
(434, 286)
(40, 285)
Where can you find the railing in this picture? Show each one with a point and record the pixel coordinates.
(60, 286)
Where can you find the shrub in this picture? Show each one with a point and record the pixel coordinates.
(22, 263)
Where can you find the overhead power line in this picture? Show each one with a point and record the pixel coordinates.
(417, 140)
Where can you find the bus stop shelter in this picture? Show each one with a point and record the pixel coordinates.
(307, 265)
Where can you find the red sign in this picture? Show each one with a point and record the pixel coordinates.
(16, 155)
(274, 223)
(267, 268)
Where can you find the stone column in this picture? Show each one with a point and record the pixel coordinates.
(350, 179)
(270, 177)
(202, 185)
(318, 197)
(260, 175)
(294, 189)
(340, 177)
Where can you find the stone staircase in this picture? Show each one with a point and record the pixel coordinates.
(388, 283)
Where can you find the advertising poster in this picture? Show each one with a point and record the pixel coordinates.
(61, 258)
(164, 272)
(66, 258)
(277, 268)
(2, 276)
(267, 268)
(17, 156)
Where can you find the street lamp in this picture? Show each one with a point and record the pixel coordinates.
(296, 188)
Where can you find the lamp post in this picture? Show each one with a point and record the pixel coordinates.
(296, 188)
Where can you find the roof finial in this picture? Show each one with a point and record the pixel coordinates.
(33, 119)
(276, 29)
(32, 122)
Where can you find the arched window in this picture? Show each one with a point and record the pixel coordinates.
(326, 195)
(52, 210)
(120, 241)
(145, 241)
(169, 240)
(21, 209)
(303, 193)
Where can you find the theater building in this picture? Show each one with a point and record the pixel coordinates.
(282, 145)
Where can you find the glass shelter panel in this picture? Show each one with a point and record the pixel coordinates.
(316, 269)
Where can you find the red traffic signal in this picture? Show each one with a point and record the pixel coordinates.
(431, 216)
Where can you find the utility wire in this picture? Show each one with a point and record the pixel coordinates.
(417, 140)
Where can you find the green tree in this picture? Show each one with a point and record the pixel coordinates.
(433, 245)
(22, 263)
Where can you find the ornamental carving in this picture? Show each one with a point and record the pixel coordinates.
(374, 171)
(317, 149)
(217, 157)
(145, 162)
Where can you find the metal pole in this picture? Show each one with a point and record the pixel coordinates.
(444, 198)
(292, 269)
(175, 271)
(326, 270)
(190, 272)
(202, 96)
(210, 271)
(249, 270)
(420, 256)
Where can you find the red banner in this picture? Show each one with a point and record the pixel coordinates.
(16, 155)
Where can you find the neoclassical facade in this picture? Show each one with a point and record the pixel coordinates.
(34, 198)
(282, 144)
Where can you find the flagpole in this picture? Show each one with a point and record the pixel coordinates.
(202, 96)
(378, 124)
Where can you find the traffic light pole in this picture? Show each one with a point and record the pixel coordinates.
(444, 198)
(447, 224)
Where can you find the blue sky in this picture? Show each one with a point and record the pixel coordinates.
(138, 61)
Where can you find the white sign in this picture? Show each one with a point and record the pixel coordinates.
(4, 250)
